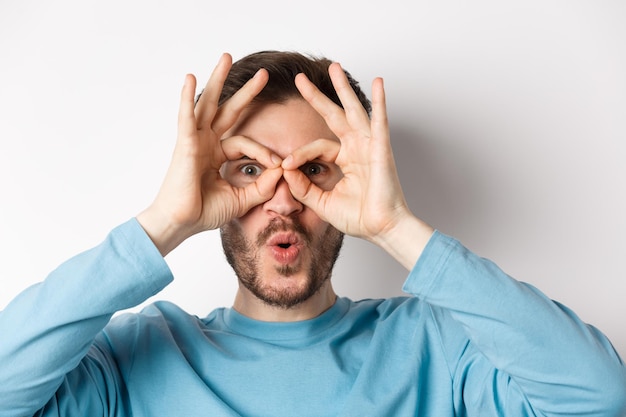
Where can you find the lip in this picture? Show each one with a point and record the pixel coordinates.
(285, 247)
(282, 238)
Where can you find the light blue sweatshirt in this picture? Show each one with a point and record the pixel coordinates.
(470, 341)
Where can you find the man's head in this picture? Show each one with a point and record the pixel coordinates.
(281, 251)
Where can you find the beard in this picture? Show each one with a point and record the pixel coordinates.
(243, 256)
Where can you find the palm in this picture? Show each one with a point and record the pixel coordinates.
(194, 197)
(368, 199)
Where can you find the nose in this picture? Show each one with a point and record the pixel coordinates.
(282, 202)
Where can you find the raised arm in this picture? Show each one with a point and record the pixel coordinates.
(47, 332)
(368, 202)
(535, 356)
(194, 197)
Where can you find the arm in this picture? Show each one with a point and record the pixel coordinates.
(47, 331)
(194, 197)
(368, 202)
(530, 342)
(540, 357)
(49, 328)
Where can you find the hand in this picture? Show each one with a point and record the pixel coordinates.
(193, 196)
(368, 201)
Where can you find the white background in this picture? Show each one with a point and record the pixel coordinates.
(508, 123)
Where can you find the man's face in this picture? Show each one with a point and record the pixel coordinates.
(281, 251)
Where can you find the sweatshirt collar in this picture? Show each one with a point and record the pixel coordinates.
(285, 331)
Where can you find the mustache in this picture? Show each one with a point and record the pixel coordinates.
(281, 225)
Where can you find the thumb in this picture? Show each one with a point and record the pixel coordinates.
(260, 190)
(304, 190)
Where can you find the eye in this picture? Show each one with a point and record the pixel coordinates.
(324, 175)
(251, 170)
(312, 169)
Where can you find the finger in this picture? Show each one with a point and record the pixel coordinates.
(355, 112)
(236, 147)
(186, 118)
(260, 190)
(207, 104)
(322, 149)
(380, 121)
(305, 191)
(229, 112)
(332, 113)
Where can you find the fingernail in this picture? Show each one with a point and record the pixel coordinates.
(276, 160)
(288, 160)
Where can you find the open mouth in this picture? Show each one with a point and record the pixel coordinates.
(285, 246)
(284, 240)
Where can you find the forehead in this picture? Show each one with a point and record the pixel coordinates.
(282, 127)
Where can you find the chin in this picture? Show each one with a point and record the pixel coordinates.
(286, 291)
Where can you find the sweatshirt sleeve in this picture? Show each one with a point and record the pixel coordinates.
(48, 329)
(542, 359)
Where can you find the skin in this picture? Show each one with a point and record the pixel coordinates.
(366, 201)
(284, 128)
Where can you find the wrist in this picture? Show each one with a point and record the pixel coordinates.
(165, 235)
(405, 239)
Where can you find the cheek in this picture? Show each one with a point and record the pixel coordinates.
(328, 183)
(336, 178)
(316, 227)
(248, 225)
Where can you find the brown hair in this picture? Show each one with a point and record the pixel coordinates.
(283, 68)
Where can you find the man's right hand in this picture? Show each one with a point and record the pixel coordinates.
(193, 196)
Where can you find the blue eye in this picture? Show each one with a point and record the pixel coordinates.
(251, 170)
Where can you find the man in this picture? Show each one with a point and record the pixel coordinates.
(281, 154)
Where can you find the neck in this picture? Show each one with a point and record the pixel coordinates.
(249, 305)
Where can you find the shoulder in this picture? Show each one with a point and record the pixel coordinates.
(390, 310)
(162, 319)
